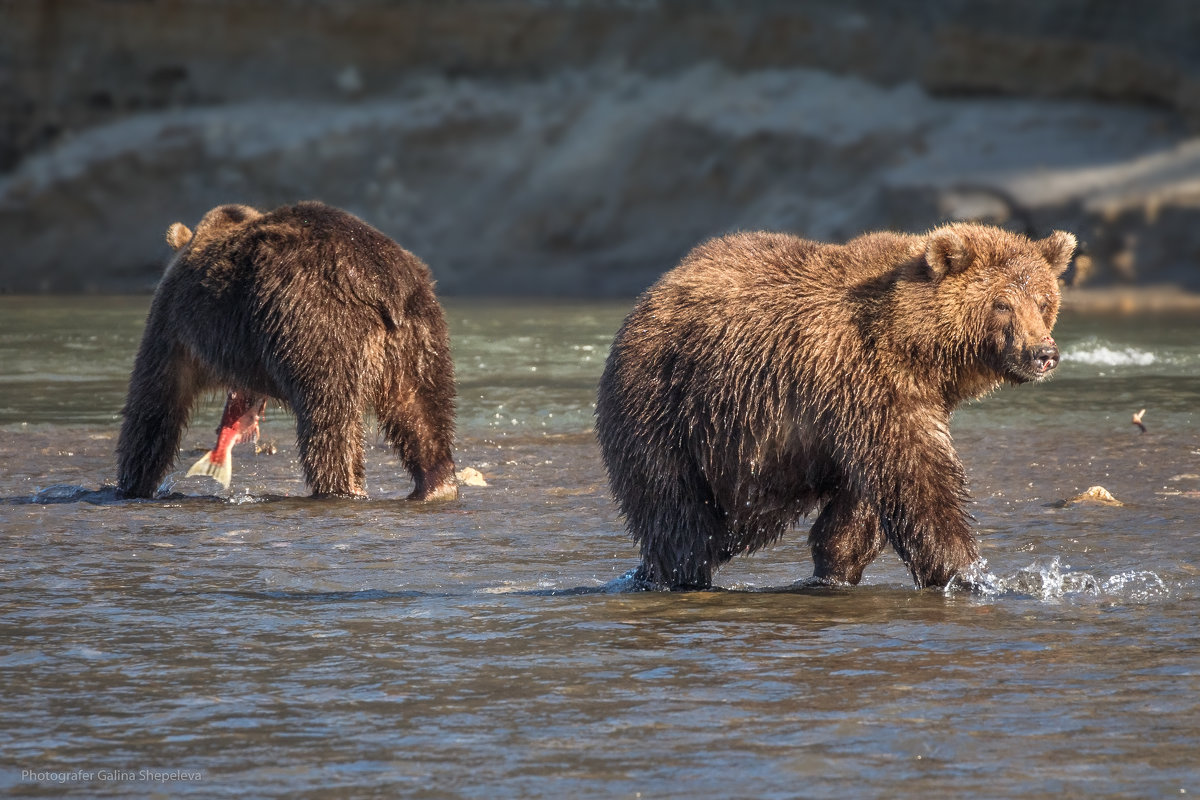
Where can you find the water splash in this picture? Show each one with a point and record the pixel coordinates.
(1135, 585)
(167, 485)
(1055, 581)
(1094, 351)
(244, 498)
(629, 582)
(60, 493)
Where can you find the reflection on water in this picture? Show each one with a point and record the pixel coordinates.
(256, 638)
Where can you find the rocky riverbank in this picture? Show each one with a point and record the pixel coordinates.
(581, 149)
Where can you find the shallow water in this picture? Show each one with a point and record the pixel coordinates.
(256, 642)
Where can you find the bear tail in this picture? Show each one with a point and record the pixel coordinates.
(220, 471)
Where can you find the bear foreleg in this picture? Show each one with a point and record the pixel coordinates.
(921, 497)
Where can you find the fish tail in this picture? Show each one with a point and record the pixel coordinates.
(220, 471)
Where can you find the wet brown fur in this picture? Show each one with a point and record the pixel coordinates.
(311, 306)
(767, 377)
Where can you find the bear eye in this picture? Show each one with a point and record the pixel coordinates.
(1002, 307)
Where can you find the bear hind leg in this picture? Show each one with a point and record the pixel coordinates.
(330, 437)
(846, 537)
(163, 386)
(421, 435)
(678, 567)
(683, 543)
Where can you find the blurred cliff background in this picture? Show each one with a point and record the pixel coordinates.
(559, 147)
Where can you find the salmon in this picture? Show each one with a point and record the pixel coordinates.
(239, 423)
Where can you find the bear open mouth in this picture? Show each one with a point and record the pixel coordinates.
(1029, 371)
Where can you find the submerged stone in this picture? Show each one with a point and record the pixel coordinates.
(1094, 494)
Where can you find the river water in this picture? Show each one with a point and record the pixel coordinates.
(253, 642)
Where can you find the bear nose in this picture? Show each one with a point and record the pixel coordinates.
(1046, 357)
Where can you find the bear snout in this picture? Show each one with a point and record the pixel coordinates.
(1045, 356)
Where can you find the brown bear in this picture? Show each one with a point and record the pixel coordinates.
(311, 306)
(768, 376)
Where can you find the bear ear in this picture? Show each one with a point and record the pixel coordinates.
(178, 235)
(947, 253)
(1057, 249)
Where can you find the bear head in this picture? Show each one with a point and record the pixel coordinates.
(1000, 290)
(219, 219)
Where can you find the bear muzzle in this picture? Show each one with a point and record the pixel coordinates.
(1032, 363)
(1044, 357)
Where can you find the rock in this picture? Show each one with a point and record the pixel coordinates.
(593, 181)
(469, 476)
(502, 142)
(74, 64)
(1094, 494)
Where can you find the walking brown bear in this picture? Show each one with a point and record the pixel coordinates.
(767, 376)
(311, 306)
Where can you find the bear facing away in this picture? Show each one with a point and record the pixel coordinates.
(311, 306)
(767, 377)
